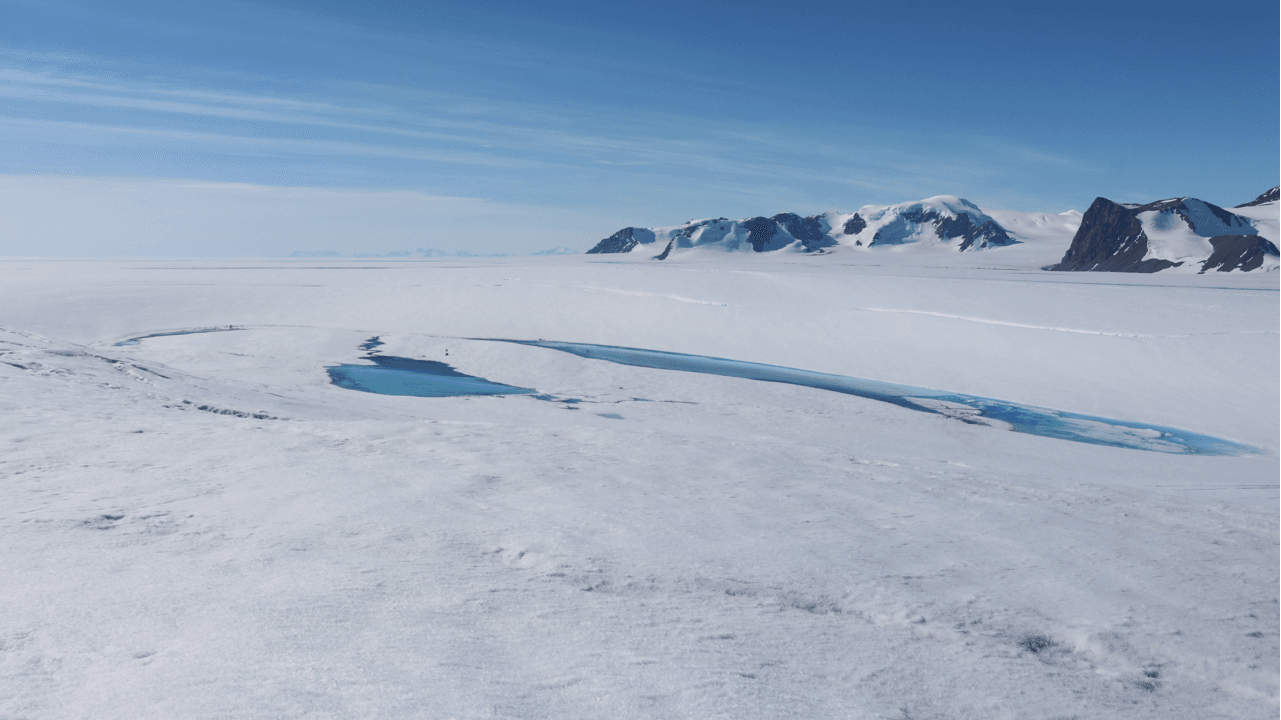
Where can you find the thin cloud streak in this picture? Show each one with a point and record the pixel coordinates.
(271, 145)
(604, 160)
(718, 147)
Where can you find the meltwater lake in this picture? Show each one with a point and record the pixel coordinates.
(416, 378)
(1019, 418)
(388, 375)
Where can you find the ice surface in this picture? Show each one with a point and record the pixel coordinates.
(202, 525)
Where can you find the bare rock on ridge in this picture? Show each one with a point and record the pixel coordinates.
(1268, 197)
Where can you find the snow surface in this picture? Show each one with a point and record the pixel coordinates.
(201, 525)
(1056, 229)
(1266, 219)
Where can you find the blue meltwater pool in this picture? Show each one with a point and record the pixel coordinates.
(966, 408)
(417, 378)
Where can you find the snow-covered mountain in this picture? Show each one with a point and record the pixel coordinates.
(758, 234)
(941, 220)
(1184, 233)
(944, 220)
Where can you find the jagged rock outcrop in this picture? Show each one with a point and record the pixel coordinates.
(1110, 239)
(623, 241)
(1179, 232)
(1239, 252)
(811, 231)
(1270, 196)
(854, 225)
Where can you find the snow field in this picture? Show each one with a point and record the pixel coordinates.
(728, 549)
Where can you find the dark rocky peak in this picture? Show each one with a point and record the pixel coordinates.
(1110, 239)
(762, 233)
(623, 241)
(854, 225)
(1270, 196)
(1113, 237)
(811, 231)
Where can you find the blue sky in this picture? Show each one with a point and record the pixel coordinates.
(249, 129)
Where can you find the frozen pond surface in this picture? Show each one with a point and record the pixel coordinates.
(417, 378)
(967, 408)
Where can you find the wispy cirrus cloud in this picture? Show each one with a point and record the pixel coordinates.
(645, 163)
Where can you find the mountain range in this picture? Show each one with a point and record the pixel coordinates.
(1184, 233)
(945, 220)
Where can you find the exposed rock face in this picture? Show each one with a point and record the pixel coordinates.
(1270, 196)
(1110, 239)
(775, 233)
(760, 232)
(1239, 252)
(1165, 234)
(811, 231)
(854, 225)
(623, 241)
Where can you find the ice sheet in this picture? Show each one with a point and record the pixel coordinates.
(202, 525)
